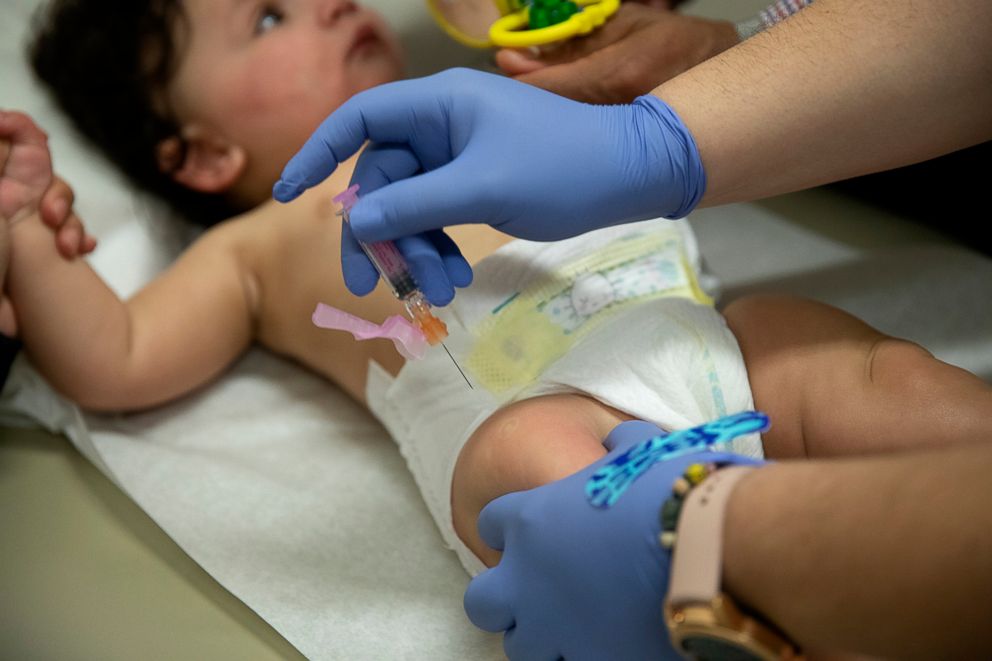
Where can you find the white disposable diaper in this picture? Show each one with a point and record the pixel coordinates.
(616, 314)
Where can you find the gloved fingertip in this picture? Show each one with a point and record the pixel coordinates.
(285, 192)
(485, 602)
(360, 277)
(631, 431)
(493, 518)
(360, 287)
(459, 271)
(427, 268)
(439, 294)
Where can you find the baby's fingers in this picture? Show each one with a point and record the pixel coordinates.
(56, 212)
(56, 204)
(71, 238)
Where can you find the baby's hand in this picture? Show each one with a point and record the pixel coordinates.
(57, 213)
(25, 166)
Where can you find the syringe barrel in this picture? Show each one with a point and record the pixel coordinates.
(384, 255)
(386, 258)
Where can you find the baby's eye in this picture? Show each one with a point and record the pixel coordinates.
(269, 17)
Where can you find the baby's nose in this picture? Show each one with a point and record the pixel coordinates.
(329, 11)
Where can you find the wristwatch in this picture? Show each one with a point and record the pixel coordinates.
(705, 623)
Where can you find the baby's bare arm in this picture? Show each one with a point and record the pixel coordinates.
(177, 333)
(833, 385)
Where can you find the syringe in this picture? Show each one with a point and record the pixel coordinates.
(391, 265)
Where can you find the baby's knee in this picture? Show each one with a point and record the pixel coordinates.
(523, 446)
(531, 443)
(894, 360)
(901, 366)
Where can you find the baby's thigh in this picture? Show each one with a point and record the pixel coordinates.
(522, 446)
(835, 386)
(801, 356)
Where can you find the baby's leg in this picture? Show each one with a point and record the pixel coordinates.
(522, 446)
(834, 385)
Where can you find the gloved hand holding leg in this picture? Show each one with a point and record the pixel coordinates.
(579, 581)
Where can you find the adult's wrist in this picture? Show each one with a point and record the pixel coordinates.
(747, 532)
(682, 183)
(706, 620)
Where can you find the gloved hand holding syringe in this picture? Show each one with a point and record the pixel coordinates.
(396, 273)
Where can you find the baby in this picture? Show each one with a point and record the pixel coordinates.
(832, 384)
(231, 90)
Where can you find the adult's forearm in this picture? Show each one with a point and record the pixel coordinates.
(889, 556)
(841, 89)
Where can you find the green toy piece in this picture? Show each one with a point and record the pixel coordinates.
(544, 13)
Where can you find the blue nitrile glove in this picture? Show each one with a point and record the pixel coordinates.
(435, 261)
(577, 581)
(489, 149)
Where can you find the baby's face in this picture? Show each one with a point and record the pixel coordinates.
(264, 74)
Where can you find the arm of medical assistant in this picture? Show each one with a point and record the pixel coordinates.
(836, 91)
(841, 89)
(889, 556)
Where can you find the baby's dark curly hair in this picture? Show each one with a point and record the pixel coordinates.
(108, 64)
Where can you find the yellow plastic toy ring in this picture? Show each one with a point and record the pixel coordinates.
(510, 31)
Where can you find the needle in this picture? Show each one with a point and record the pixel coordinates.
(456, 365)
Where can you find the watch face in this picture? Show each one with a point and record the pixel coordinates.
(706, 648)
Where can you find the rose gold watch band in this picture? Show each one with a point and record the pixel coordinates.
(698, 555)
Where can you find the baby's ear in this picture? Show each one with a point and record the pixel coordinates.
(201, 160)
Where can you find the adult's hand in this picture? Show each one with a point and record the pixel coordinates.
(487, 149)
(582, 582)
(28, 185)
(634, 52)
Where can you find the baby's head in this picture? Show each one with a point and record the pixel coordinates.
(204, 101)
